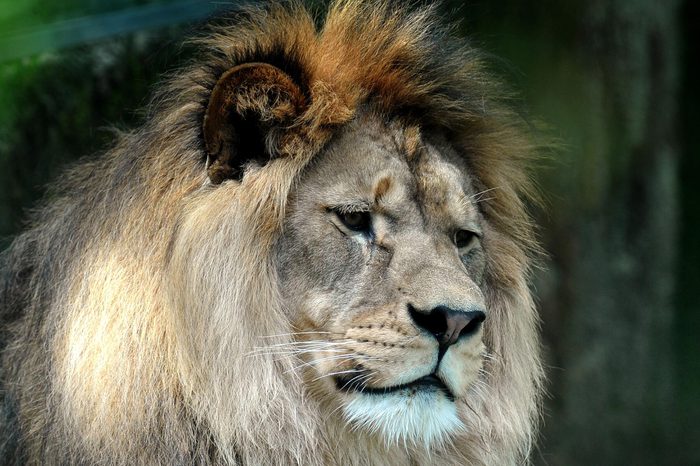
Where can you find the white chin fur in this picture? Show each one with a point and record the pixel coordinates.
(427, 417)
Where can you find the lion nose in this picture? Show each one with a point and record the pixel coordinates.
(448, 325)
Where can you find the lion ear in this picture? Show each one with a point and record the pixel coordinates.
(248, 111)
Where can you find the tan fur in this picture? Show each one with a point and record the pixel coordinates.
(145, 291)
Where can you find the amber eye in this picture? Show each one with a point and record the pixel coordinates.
(359, 221)
(464, 238)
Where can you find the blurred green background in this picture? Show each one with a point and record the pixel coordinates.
(615, 82)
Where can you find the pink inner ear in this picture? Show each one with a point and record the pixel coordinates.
(247, 102)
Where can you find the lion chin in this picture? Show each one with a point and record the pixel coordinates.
(315, 252)
(406, 416)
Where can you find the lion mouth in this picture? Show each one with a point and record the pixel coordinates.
(426, 383)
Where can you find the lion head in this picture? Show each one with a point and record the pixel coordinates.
(380, 266)
(316, 252)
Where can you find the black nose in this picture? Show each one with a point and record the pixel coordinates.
(448, 325)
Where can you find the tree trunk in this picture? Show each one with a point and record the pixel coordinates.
(615, 246)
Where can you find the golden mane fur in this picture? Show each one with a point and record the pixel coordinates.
(112, 354)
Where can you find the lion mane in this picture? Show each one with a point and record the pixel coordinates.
(131, 305)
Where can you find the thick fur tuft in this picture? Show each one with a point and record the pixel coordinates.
(112, 354)
(418, 422)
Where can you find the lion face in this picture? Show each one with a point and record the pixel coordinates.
(380, 266)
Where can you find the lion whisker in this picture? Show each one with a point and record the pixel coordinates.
(332, 374)
(292, 353)
(310, 342)
(343, 357)
(298, 347)
(329, 358)
(477, 197)
(312, 332)
(357, 382)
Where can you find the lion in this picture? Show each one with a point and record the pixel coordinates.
(315, 251)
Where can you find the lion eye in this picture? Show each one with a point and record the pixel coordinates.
(359, 221)
(464, 238)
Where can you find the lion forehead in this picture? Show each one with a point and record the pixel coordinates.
(396, 170)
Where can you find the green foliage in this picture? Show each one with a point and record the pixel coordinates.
(55, 108)
(17, 16)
